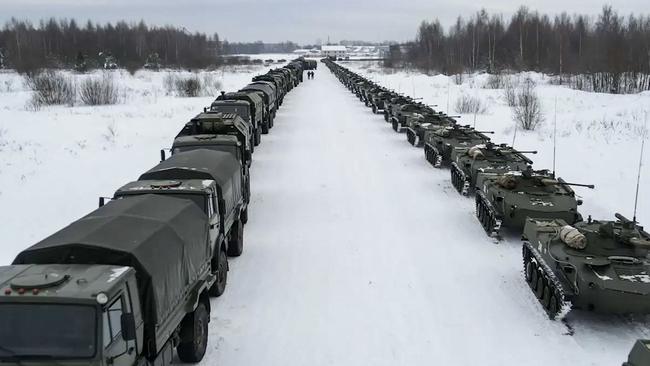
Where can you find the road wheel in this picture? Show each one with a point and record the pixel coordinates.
(374, 109)
(219, 285)
(236, 239)
(195, 329)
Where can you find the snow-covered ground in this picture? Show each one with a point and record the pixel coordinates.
(56, 162)
(357, 251)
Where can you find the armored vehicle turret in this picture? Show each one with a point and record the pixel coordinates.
(488, 158)
(439, 143)
(599, 266)
(507, 199)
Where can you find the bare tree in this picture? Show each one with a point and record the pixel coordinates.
(527, 111)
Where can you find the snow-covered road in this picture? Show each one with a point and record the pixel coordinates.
(358, 252)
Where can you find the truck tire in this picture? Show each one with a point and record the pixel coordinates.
(219, 285)
(195, 327)
(236, 239)
(265, 127)
(258, 136)
(244, 216)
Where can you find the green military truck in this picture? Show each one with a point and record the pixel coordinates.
(256, 110)
(210, 124)
(231, 187)
(124, 285)
(270, 99)
(241, 108)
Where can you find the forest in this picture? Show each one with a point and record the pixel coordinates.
(607, 53)
(65, 43)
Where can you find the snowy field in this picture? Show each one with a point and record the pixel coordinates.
(57, 161)
(357, 251)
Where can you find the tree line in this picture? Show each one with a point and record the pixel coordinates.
(608, 53)
(63, 43)
(232, 48)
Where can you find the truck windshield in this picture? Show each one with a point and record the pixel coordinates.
(225, 148)
(199, 199)
(239, 110)
(47, 331)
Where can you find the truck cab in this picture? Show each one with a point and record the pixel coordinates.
(41, 304)
(241, 108)
(217, 124)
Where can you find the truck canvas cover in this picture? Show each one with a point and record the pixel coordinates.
(163, 238)
(222, 167)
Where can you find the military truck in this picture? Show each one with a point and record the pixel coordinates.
(124, 285)
(224, 143)
(242, 108)
(277, 82)
(231, 187)
(507, 199)
(640, 354)
(439, 143)
(598, 266)
(270, 100)
(488, 158)
(256, 104)
(221, 124)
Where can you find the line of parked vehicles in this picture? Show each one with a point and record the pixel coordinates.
(569, 263)
(130, 282)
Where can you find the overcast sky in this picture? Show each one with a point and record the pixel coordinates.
(301, 21)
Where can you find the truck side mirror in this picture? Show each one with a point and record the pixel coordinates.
(127, 321)
(162, 155)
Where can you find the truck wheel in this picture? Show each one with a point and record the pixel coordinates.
(265, 127)
(236, 239)
(258, 136)
(219, 285)
(244, 216)
(195, 327)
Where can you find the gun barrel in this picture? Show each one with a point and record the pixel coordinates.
(527, 152)
(578, 184)
(485, 131)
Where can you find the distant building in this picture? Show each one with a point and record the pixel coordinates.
(334, 51)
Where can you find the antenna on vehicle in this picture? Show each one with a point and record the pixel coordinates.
(448, 83)
(638, 178)
(514, 136)
(554, 135)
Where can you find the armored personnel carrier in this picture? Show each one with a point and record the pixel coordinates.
(640, 354)
(417, 125)
(507, 199)
(488, 158)
(439, 143)
(405, 112)
(599, 266)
